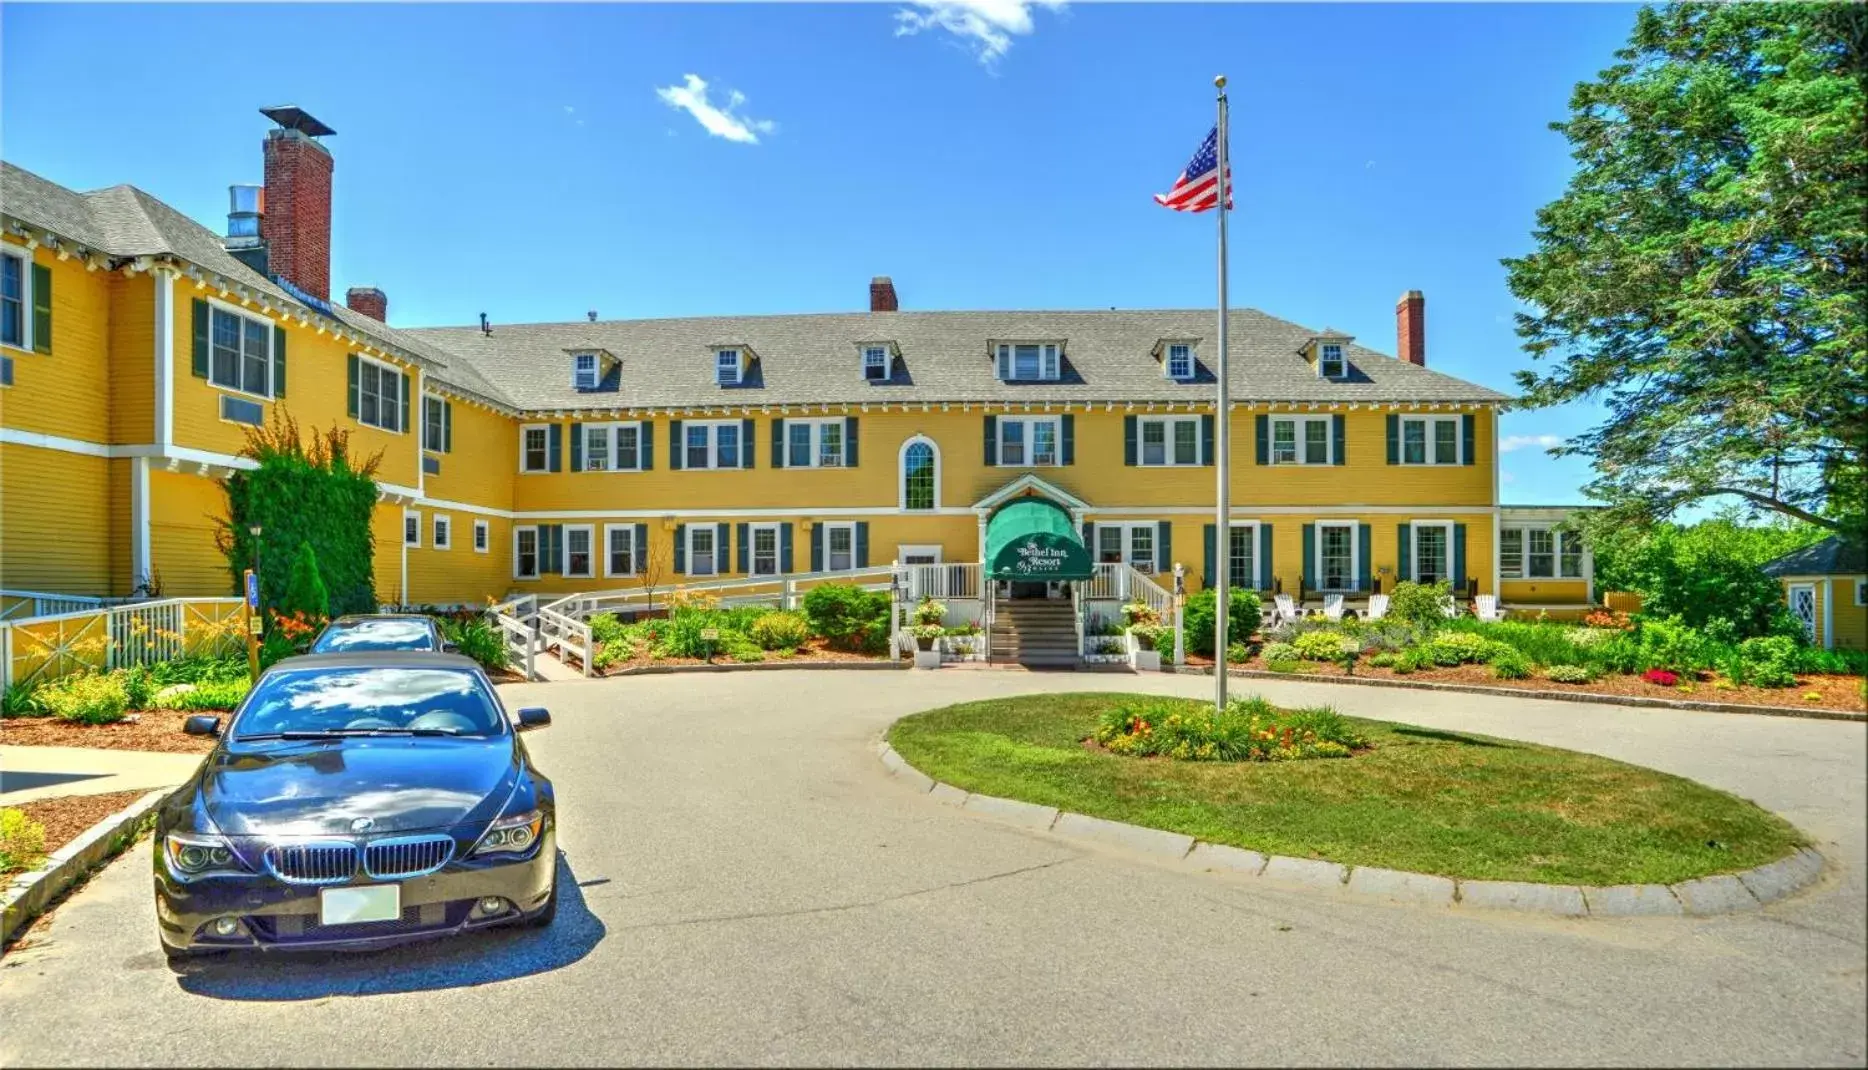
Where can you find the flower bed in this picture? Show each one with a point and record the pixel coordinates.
(58, 822)
(840, 623)
(148, 730)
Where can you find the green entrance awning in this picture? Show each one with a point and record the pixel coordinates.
(1033, 539)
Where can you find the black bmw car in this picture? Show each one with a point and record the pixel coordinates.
(353, 801)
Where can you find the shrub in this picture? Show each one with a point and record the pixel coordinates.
(1511, 665)
(86, 698)
(1459, 648)
(1238, 654)
(22, 841)
(481, 640)
(1280, 652)
(1671, 644)
(196, 670)
(220, 695)
(1153, 636)
(1608, 619)
(605, 627)
(1419, 604)
(1703, 571)
(1246, 730)
(848, 616)
(1322, 645)
(139, 685)
(1384, 659)
(1568, 674)
(779, 630)
(1413, 660)
(1198, 619)
(21, 700)
(304, 587)
(1661, 677)
(1767, 661)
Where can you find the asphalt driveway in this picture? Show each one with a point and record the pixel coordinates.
(751, 887)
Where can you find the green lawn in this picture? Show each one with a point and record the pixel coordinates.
(1423, 800)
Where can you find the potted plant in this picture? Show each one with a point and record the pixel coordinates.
(926, 636)
(928, 611)
(1144, 646)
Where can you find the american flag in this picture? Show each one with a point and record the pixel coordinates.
(1197, 188)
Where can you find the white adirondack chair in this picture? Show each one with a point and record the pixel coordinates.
(1333, 606)
(1485, 607)
(1378, 607)
(1287, 609)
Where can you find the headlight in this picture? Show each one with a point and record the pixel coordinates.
(192, 856)
(512, 834)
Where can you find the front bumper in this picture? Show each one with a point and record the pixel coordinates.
(276, 915)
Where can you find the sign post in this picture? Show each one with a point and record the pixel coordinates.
(252, 623)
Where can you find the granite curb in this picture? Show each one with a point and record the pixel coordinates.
(28, 894)
(1722, 893)
(1815, 714)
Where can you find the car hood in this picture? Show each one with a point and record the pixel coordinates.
(322, 787)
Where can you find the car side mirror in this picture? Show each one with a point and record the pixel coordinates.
(449, 646)
(533, 717)
(202, 724)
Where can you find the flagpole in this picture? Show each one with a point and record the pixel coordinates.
(1222, 568)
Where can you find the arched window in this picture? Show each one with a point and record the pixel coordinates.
(920, 488)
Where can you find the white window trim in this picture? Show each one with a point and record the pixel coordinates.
(1459, 446)
(1300, 429)
(887, 361)
(1167, 360)
(901, 474)
(833, 525)
(778, 548)
(915, 549)
(1167, 442)
(244, 314)
(415, 515)
(538, 552)
(442, 423)
(442, 531)
(817, 425)
(24, 256)
(1523, 571)
(1861, 592)
(1027, 441)
(610, 453)
(1225, 550)
(1413, 549)
(713, 445)
(523, 429)
(413, 383)
(739, 365)
(1342, 360)
(1127, 527)
(482, 537)
(635, 552)
(712, 531)
(596, 371)
(591, 556)
(1050, 358)
(1355, 555)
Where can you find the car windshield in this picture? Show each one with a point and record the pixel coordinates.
(373, 700)
(352, 636)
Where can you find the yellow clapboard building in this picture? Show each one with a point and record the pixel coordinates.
(139, 346)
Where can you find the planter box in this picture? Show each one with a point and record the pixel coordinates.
(1141, 660)
(927, 659)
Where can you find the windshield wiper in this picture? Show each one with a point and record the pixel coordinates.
(341, 733)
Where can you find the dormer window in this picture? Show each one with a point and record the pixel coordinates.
(585, 371)
(1179, 360)
(727, 367)
(1330, 360)
(1028, 361)
(875, 363)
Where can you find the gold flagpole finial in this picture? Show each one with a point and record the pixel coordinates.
(1220, 82)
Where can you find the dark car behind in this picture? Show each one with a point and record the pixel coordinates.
(358, 633)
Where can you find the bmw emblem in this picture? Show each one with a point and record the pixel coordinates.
(362, 824)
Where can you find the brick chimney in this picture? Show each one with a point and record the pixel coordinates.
(370, 301)
(297, 223)
(882, 294)
(1411, 328)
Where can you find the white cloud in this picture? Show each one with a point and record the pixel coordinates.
(1519, 442)
(987, 26)
(1506, 477)
(726, 122)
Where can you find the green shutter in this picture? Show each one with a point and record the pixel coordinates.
(1267, 579)
(351, 408)
(577, 447)
(554, 447)
(723, 548)
(1404, 569)
(202, 343)
(641, 556)
(862, 544)
(1164, 548)
(674, 445)
(278, 361)
(404, 425)
(850, 457)
(992, 441)
(748, 447)
(817, 547)
(745, 549)
(778, 442)
(1206, 439)
(1459, 557)
(1307, 578)
(1394, 439)
(41, 309)
(681, 549)
(447, 427)
(1210, 537)
(1468, 448)
(1130, 443)
(1261, 434)
(1340, 433)
(645, 444)
(1364, 576)
(784, 547)
(1067, 430)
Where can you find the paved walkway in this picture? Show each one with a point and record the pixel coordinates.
(29, 773)
(745, 884)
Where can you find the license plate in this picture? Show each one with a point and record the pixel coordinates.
(348, 906)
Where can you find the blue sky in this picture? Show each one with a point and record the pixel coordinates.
(520, 160)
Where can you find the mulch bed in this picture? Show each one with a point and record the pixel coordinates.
(1835, 692)
(66, 817)
(815, 651)
(150, 730)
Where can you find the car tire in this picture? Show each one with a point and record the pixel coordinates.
(545, 916)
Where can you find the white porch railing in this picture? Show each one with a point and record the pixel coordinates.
(943, 582)
(569, 636)
(786, 592)
(19, 605)
(516, 619)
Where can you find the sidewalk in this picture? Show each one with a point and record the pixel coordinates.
(30, 773)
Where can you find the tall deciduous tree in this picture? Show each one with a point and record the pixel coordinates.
(1704, 275)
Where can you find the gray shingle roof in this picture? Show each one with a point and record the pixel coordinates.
(1832, 557)
(945, 356)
